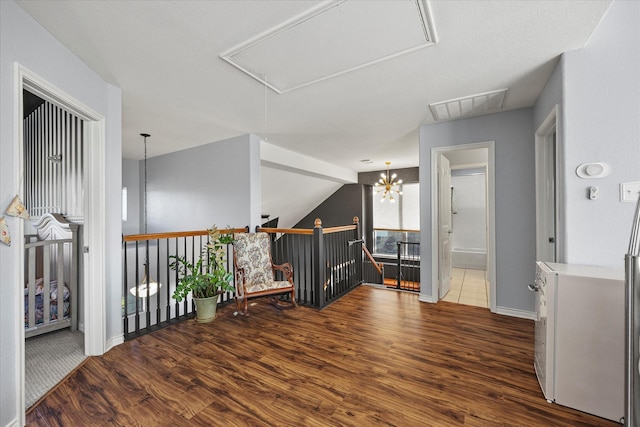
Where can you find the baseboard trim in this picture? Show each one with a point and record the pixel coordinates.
(427, 298)
(514, 312)
(115, 341)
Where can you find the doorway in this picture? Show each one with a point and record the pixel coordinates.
(467, 156)
(93, 133)
(546, 189)
(53, 184)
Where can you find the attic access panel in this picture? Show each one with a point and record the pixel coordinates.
(332, 39)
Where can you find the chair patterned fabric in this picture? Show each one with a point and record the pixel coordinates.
(252, 255)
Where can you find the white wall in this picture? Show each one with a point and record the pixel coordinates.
(289, 176)
(280, 188)
(24, 41)
(552, 96)
(131, 180)
(193, 189)
(601, 119)
(513, 134)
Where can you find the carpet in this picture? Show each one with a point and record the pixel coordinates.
(48, 359)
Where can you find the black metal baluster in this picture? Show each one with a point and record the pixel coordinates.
(399, 266)
(147, 276)
(137, 318)
(167, 286)
(176, 304)
(158, 282)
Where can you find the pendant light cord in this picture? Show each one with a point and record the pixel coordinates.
(145, 135)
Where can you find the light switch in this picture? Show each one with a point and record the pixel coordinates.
(629, 191)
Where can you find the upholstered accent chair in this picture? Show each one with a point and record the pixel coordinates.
(255, 272)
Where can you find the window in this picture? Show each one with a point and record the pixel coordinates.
(396, 222)
(124, 203)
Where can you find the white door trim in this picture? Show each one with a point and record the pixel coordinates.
(95, 206)
(546, 128)
(491, 204)
(444, 226)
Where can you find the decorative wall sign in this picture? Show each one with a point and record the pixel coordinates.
(5, 236)
(16, 208)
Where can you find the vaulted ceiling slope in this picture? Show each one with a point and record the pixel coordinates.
(373, 70)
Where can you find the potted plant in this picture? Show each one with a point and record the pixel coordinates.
(205, 279)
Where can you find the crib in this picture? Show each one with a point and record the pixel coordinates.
(51, 274)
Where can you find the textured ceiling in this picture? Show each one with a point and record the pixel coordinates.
(165, 56)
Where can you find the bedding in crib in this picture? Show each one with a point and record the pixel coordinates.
(53, 298)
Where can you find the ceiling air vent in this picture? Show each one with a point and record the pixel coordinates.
(474, 105)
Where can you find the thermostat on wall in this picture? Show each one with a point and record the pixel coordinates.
(593, 170)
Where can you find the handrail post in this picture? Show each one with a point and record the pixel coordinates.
(358, 253)
(318, 265)
(356, 222)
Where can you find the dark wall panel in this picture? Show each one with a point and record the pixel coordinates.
(338, 209)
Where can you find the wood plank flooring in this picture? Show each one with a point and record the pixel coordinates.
(373, 358)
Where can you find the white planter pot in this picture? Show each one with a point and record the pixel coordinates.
(206, 309)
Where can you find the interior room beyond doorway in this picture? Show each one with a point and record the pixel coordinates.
(469, 287)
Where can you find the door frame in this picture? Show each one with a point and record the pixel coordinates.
(94, 135)
(543, 167)
(444, 280)
(491, 217)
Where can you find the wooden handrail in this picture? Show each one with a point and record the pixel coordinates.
(338, 229)
(174, 234)
(286, 230)
(396, 229)
(307, 230)
(370, 257)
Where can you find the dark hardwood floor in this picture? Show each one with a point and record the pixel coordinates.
(375, 357)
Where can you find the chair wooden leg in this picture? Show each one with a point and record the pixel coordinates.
(241, 311)
(284, 306)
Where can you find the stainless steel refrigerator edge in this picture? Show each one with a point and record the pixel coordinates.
(632, 332)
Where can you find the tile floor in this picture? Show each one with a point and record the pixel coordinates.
(468, 287)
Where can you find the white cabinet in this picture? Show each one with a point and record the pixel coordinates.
(580, 337)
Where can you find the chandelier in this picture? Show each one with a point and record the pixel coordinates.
(387, 185)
